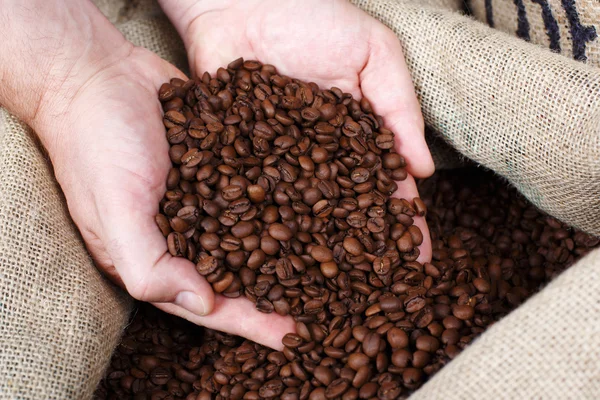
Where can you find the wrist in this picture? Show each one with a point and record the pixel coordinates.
(54, 48)
(182, 13)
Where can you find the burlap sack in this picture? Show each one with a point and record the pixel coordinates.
(59, 319)
(530, 115)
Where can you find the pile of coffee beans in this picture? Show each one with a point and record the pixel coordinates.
(491, 248)
(280, 192)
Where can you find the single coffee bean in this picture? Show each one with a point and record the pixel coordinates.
(371, 344)
(280, 232)
(416, 235)
(389, 390)
(357, 360)
(160, 376)
(427, 343)
(324, 375)
(397, 338)
(405, 243)
(463, 312)
(173, 118)
(353, 246)
(390, 304)
(232, 192)
(264, 305)
(401, 358)
(207, 265)
(337, 388)
(177, 244)
(291, 340)
(384, 141)
(329, 269)
(163, 224)
(321, 254)
(382, 265)
(420, 207)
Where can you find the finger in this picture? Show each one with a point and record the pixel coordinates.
(407, 189)
(386, 82)
(217, 45)
(139, 253)
(239, 317)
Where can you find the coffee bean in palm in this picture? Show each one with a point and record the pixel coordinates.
(177, 244)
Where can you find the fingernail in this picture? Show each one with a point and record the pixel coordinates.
(191, 302)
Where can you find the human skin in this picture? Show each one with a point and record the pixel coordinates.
(91, 96)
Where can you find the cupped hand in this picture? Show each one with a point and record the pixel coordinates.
(331, 43)
(110, 155)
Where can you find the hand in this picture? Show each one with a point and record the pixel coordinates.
(112, 162)
(101, 123)
(331, 43)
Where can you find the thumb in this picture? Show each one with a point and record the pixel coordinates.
(139, 253)
(386, 82)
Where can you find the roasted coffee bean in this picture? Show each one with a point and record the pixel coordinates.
(336, 388)
(397, 338)
(420, 207)
(173, 118)
(163, 224)
(321, 254)
(324, 375)
(160, 376)
(256, 193)
(382, 265)
(463, 312)
(390, 304)
(357, 360)
(280, 232)
(371, 344)
(329, 269)
(353, 246)
(401, 358)
(207, 265)
(177, 244)
(292, 341)
(427, 343)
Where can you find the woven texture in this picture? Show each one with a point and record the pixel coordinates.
(568, 27)
(530, 115)
(59, 318)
